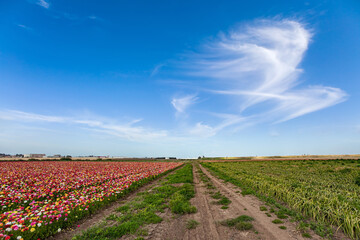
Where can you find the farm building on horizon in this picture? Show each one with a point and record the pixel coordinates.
(35, 155)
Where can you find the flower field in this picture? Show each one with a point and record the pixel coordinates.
(326, 191)
(38, 199)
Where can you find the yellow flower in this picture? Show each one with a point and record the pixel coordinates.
(32, 229)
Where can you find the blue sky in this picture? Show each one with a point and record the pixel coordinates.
(179, 78)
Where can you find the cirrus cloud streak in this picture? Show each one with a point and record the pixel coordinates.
(257, 66)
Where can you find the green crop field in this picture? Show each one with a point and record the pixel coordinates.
(326, 191)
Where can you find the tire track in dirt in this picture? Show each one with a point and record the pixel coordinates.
(263, 224)
(207, 228)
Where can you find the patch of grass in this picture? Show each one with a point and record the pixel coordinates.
(183, 175)
(277, 221)
(303, 226)
(282, 227)
(233, 221)
(322, 229)
(242, 226)
(139, 205)
(247, 191)
(224, 207)
(216, 195)
(224, 201)
(192, 224)
(263, 208)
(123, 208)
(268, 214)
(113, 232)
(306, 235)
(142, 232)
(179, 204)
(112, 217)
(282, 214)
(357, 180)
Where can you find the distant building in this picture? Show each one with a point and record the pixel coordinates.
(36, 155)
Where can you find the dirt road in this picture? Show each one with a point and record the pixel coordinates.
(209, 216)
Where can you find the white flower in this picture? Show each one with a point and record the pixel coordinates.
(39, 224)
(8, 229)
(59, 230)
(19, 237)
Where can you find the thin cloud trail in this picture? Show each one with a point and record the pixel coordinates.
(126, 130)
(182, 103)
(43, 4)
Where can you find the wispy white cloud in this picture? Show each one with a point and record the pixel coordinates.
(64, 15)
(96, 18)
(182, 103)
(258, 67)
(24, 116)
(157, 69)
(126, 130)
(204, 130)
(24, 27)
(93, 17)
(43, 3)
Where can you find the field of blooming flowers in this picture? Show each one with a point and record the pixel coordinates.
(38, 199)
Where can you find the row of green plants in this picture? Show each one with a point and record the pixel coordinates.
(132, 217)
(325, 191)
